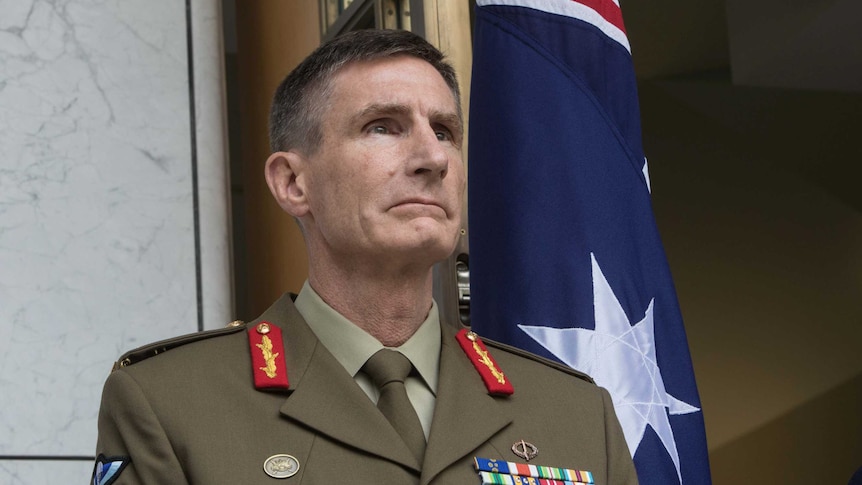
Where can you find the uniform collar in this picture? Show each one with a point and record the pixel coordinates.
(351, 346)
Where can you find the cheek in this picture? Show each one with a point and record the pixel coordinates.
(458, 184)
(327, 200)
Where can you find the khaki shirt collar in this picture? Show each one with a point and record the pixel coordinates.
(352, 347)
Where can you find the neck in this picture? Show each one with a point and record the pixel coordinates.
(390, 306)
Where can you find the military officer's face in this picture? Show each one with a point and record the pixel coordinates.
(388, 179)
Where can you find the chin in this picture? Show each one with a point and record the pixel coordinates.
(441, 249)
(431, 250)
(434, 239)
(437, 256)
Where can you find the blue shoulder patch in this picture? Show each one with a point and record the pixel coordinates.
(108, 469)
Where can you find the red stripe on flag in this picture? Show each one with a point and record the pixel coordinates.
(607, 9)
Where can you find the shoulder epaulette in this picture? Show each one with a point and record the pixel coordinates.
(537, 358)
(147, 351)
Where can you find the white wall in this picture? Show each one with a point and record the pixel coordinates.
(100, 246)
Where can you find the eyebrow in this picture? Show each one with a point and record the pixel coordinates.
(378, 109)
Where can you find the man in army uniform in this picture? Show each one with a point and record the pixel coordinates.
(366, 135)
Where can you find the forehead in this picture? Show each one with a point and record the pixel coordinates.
(401, 79)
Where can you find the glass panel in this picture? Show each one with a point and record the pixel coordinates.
(405, 14)
(346, 15)
(329, 10)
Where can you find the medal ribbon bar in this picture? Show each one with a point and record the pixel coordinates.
(534, 471)
(489, 478)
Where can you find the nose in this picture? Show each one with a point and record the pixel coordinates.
(430, 154)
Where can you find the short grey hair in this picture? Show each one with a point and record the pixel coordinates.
(300, 100)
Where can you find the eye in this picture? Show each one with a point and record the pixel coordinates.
(384, 126)
(446, 135)
(443, 135)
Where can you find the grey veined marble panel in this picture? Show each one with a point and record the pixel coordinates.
(36, 472)
(97, 229)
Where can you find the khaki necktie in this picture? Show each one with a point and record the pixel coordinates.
(388, 369)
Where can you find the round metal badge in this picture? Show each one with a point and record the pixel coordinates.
(281, 466)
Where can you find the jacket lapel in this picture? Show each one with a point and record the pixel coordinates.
(325, 398)
(465, 416)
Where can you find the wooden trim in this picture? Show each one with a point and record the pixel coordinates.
(447, 26)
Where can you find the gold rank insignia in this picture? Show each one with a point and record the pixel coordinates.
(491, 374)
(267, 357)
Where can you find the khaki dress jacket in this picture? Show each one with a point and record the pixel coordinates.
(186, 411)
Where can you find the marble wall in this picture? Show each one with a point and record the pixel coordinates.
(114, 227)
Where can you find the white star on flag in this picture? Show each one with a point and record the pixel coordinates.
(620, 357)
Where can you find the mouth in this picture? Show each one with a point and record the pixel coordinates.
(421, 204)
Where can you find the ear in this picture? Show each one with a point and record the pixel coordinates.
(286, 178)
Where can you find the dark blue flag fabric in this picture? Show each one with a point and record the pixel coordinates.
(565, 256)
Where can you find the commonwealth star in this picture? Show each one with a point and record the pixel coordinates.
(621, 357)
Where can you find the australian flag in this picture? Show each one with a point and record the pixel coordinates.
(565, 256)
